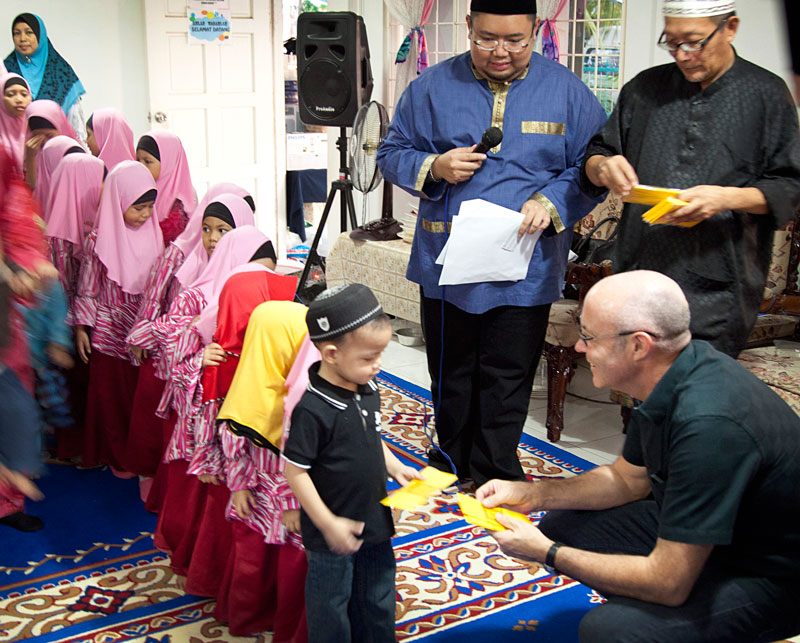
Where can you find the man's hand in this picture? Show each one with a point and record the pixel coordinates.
(243, 502)
(704, 201)
(214, 355)
(612, 172)
(83, 344)
(511, 494)
(521, 539)
(291, 520)
(458, 164)
(536, 218)
(341, 535)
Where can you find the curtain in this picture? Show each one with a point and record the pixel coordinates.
(412, 57)
(548, 43)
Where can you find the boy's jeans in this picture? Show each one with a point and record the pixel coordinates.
(351, 598)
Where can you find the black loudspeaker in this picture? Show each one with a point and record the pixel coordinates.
(334, 77)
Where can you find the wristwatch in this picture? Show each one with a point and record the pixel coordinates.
(550, 559)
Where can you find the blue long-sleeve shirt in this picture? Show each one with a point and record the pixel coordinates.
(45, 322)
(547, 116)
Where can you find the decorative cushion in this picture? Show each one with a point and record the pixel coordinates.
(562, 327)
(611, 207)
(778, 367)
(769, 327)
(779, 264)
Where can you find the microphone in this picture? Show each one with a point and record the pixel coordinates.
(491, 137)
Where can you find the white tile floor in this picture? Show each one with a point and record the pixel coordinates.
(592, 429)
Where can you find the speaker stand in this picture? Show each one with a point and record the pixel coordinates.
(344, 187)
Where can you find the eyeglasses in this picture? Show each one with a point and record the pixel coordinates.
(689, 47)
(511, 46)
(588, 339)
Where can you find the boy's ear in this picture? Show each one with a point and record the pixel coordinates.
(328, 353)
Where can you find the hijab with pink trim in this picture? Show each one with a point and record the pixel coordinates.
(74, 199)
(127, 253)
(13, 129)
(114, 137)
(174, 181)
(52, 112)
(197, 259)
(232, 255)
(47, 160)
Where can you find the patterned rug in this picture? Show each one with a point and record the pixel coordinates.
(93, 576)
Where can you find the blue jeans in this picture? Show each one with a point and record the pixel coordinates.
(718, 608)
(20, 426)
(351, 598)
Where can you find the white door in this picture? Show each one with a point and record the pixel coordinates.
(225, 101)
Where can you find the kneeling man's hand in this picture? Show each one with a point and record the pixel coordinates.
(521, 539)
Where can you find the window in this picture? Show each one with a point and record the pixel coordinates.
(590, 34)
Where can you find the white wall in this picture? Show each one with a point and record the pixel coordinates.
(762, 37)
(103, 40)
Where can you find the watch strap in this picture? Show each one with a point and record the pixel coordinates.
(550, 559)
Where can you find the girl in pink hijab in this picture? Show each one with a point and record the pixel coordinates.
(169, 275)
(72, 206)
(184, 496)
(162, 153)
(13, 125)
(45, 121)
(48, 159)
(110, 137)
(118, 255)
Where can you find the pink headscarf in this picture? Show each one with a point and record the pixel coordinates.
(52, 112)
(47, 160)
(74, 196)
(127, 253)
(232, 255)
(174, 182)
(297, 381)
(114, 137)
(197, 258)
(13, 129)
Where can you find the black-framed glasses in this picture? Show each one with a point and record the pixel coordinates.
(689, 47)
(586, 338)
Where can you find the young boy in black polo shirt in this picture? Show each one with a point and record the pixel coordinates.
(336, 465)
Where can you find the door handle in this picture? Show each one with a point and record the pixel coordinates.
(160, 117)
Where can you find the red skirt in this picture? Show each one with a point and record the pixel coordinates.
(109, 402)
(69, 441)
(145, 443)
(214, 541)
(179, 519)
(263, 588)
(158, 491)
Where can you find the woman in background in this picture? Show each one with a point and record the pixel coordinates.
(48, 74)
(45, 122)
(162, 153)
(13, 124)
(109, 137)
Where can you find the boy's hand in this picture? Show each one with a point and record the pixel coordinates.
(291, 520)
(341, 534)
(404, 474)
(59, 355)
(243, 502)
(214, 355)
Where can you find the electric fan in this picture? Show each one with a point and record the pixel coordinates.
(369, 129)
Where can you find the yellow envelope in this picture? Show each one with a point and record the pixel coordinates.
(649, 195)
(417, 492)
(476, 514)
(669, 204)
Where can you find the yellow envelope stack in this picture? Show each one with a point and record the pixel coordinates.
(417, 492)
(663, 200)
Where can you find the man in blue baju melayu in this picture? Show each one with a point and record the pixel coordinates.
(484, 340)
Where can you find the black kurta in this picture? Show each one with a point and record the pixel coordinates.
(741, 131)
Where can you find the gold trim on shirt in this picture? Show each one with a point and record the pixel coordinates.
(423, 171)
(436, 226)
(499, 90)
(547, 204)
(544, 127)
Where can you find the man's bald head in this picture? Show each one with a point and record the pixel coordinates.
(642, 300)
